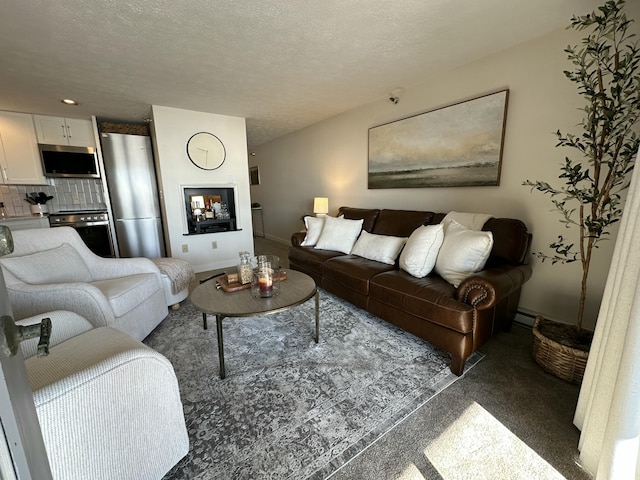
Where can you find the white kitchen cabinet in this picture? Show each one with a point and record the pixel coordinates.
(19, 155)
(64, 131)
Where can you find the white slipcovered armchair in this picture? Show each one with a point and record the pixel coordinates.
(108, 406)
(53, 269)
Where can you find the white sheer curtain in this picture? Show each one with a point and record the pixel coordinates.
(608, 410)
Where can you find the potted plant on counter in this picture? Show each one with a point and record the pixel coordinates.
(38, 203)
(606, 71)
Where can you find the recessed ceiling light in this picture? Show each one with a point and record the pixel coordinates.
(69, 101)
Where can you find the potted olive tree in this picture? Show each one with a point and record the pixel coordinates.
(606, 71)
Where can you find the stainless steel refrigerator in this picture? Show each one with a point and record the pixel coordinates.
(133, 189)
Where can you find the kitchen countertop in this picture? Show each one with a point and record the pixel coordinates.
(25, 222)
(19, 217)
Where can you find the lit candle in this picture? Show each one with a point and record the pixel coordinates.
(265, 283)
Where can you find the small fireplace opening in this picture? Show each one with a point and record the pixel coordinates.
(210, 209)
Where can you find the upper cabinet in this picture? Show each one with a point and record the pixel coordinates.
(19, 156)
(64, 131)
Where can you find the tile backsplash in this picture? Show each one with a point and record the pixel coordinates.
(68, 194)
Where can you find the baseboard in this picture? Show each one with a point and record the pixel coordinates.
(524, 319)
(278, 239)
(527, 318)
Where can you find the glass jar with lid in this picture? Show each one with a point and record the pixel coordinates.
(245, 269)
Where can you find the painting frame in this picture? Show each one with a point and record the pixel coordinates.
(457, 145)
(254, 176)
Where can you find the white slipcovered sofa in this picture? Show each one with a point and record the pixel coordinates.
(108, 406)
(52, 269)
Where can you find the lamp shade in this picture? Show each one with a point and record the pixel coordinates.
(320, 205)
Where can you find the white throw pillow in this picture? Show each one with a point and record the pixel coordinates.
(314, 228)
(339, 234)
(62, 264)
(463, 253)
(381, 248)
(472, 221)
(421, 251)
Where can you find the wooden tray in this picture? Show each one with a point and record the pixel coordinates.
(237, 286)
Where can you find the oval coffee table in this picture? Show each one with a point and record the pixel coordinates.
(295, 290)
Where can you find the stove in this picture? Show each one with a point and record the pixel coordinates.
(91, 225)
(89, 210)
(78, 218)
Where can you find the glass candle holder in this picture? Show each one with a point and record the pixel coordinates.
(266, 276)
(263, 283)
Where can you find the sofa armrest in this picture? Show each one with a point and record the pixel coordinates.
(64, 325)
(82, 298)
(109, 407)
(297, 238)
(488, 287)
(477, 292)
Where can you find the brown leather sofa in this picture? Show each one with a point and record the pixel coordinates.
(457, 320)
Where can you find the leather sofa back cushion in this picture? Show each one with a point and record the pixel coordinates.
(368, 216)
(510, 236)
(400, 223)
(62, 264)
(511, 241)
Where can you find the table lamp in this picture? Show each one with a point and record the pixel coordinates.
(320, 206)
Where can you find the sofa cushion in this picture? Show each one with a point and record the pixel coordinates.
(511, 241)
(353, 272)
(308, 259)
(125, 293)
(430, 298)
(421, 251)
(400, 223)
(339, 234)
(62, 264)
(463, 253)
(314, 228)
(368, 216)
(381, 248)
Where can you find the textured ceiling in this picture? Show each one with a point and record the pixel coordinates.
(281, 64)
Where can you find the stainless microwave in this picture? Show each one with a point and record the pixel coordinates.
(67, 161)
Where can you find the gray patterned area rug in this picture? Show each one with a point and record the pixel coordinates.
(290, 408)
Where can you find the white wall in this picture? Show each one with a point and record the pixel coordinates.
(330, 159)
(171, 129)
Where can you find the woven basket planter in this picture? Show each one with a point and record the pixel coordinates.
(564, 362)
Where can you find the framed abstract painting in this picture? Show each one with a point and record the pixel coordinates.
(453, 146)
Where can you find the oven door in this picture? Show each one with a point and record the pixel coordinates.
(97, 238)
